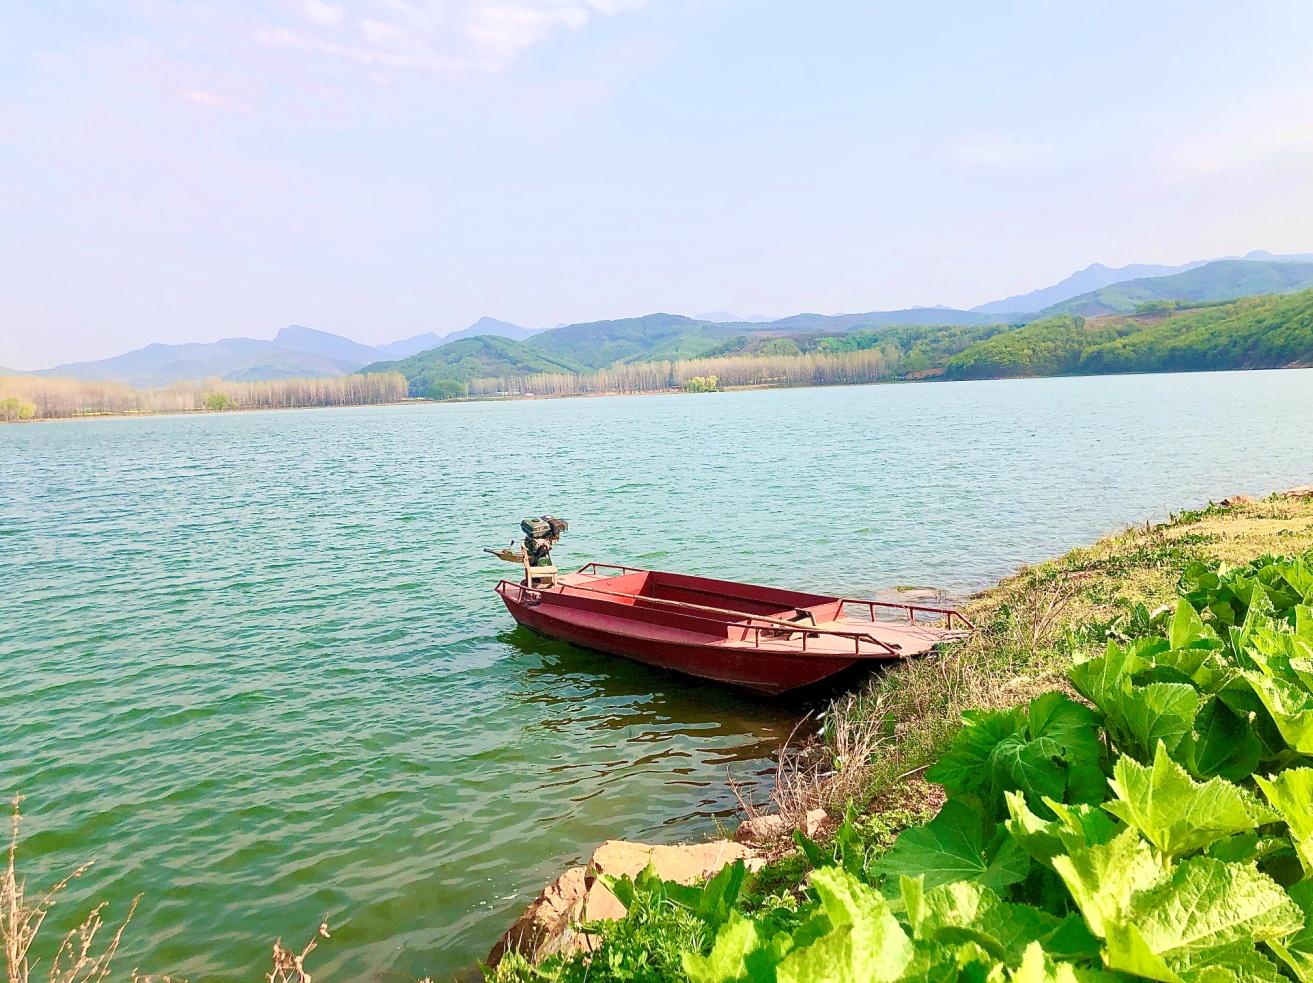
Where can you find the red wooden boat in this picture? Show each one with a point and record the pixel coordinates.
(761, 638)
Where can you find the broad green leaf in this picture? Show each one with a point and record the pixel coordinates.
(1102, 878)
(969, 912)
(1187, 627)
(1297, 950)
(965, 767)
(1177, 814)
(1058, 716)
(1240, 698)
(1280, 653)
(728, 961)
(1290, 707)
(1291, 794)
(1203, 907)
(1248, 848)
(1048, 750)
(953, 847)
(865, 941)
(816, 856)
(1074, 727)
(1258, 615)
(1239, 963)
(716, 899)
(1222, 743)
(1303, 668)
(1032, 767)
(1158, 712)
(1076, 826)
(933, 962)
(1110, 673)
(1037, 967)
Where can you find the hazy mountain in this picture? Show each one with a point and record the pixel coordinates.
(725, 317)
(1263, 254)
(408, 346)
(1097, 275)
(311, 341)
(494, 328)
(1084, 281)
(1224, 279)
(246, 358)
(879, 319)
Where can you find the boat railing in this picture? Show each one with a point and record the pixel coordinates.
(911, 610)
(743, 619)
(591, 569)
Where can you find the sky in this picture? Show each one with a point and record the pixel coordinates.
(186, 171)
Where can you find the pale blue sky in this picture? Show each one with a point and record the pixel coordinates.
(188, 171)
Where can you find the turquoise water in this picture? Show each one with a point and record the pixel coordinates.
(253, 664)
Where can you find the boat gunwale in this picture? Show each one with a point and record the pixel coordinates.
(948, 613)
(744, 620)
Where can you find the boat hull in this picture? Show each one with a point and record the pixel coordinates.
(762, 671)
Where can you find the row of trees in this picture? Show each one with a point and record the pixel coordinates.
(36, 397)
(811, 369)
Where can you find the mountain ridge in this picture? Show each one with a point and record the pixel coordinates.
(297, 350)
(1221, 280)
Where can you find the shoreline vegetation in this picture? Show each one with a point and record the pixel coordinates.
(1209, 631)
(1019, 863)
(26, 398)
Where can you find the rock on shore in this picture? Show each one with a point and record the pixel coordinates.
(549, 926)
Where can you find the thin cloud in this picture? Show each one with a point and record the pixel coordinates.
(322, 14)
(447, 37)
(211, 100)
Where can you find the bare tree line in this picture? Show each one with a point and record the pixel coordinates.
(811, 369)
(36, 397)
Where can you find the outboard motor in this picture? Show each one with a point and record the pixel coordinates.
(540, 535)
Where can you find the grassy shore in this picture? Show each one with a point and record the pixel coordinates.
(876, 743)
(1032, 623)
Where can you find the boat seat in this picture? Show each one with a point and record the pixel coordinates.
(539, 576)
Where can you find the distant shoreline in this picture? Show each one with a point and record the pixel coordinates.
(526, 397)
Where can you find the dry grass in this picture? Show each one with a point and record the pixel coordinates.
(289, 966)
(1029, 629)
(823, 774)
(76, 960)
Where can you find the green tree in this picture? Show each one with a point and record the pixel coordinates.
(445, 389)
(12, 408)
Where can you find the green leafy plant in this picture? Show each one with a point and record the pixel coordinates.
(1162, 832)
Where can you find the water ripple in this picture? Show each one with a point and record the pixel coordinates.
(252, 662)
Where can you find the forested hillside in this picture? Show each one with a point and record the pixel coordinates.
(445, 371)
(1171, 323)
(1252, 333)
(653, 338)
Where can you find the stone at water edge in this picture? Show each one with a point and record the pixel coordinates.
(549, 925)
(767, 829)
(689, 864)
(1235, 500)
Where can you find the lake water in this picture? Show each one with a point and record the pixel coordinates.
(252, 663)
